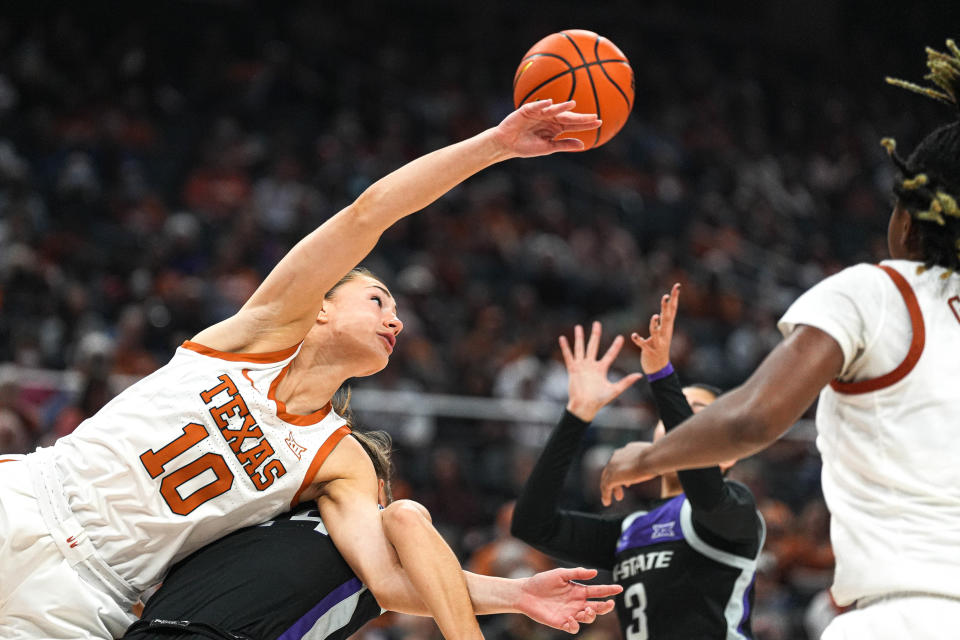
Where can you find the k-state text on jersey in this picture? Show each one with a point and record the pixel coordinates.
(642, 562)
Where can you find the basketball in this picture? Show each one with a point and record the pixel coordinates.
(579, 65)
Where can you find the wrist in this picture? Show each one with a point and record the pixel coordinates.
(660, 373)
(519, 602)
(584, 412)
(500, 150)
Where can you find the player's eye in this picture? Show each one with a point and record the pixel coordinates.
(379, 301)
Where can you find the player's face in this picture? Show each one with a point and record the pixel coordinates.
(699, 399)
(361, 318)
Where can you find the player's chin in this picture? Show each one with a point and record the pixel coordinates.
(376, 363)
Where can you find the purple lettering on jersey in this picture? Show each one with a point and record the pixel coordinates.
(660, 525)
(302, 627)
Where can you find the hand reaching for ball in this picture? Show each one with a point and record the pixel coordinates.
(532, 129)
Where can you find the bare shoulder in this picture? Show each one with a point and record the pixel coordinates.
(347, 461)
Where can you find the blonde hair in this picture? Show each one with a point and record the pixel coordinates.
(353, 274)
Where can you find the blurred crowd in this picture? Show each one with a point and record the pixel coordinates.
(154, 168)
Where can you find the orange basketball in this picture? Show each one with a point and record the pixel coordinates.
(579, 65)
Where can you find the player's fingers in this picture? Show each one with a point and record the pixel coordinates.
(626, 383)
(602, 591)
(604, 607)
(579, 125)
(612, 352)
(558, 108)
(593, 344)
(643, 343)
(579, 573)
(571, 625)
(618, 493)
(605, 491)
(565, 351)
(586, 616)
(654, 323)
(537, 106)
(578, 342)
(670, 309)
(568, 144)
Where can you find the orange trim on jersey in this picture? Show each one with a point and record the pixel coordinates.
(916, 345)
(295, 418)
(1, 461)
(955, 307)
(259, 358)
(318, 460)
(246, 374)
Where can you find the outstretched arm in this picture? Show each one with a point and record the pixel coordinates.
(284, 307)
(741, 422)
(537, 518)
(721, 507)
(551, 598)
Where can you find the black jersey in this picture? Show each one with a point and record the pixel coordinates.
(282, 580)
(675, 583)
(686, 564)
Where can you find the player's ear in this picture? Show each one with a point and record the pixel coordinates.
(322, 316)
(382, 494)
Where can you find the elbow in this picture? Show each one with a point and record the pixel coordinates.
(368, 210)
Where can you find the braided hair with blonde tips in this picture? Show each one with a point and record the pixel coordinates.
(929, 185)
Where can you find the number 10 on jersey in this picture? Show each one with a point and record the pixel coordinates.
(155, 462)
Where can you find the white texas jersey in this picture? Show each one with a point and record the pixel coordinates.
(889, 427)
(197, 449)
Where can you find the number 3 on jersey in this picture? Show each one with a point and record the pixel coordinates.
(155, 463)
(635, 597)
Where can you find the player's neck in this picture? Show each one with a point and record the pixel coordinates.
(670, 485)
(310, 382)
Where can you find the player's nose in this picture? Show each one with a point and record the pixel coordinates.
(395, 325)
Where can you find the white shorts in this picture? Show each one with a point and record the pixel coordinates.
(41, 594)
(918, 617)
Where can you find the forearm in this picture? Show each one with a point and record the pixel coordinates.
(493, 595)
(294, 289)
(433, 573)
(537, 520)
(535, 516)
(755, 414)
(726, 430)
(703, 487)
(420, 182)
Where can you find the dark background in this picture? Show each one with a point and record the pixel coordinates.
(157, 159)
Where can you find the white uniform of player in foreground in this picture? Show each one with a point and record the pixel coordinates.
(883, 345)
(887, 433)
(238, 427)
